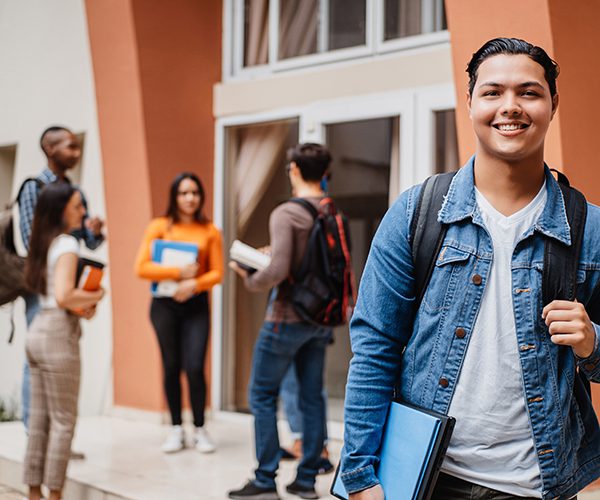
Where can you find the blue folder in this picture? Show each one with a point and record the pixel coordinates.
(158, 246)
(412, 450)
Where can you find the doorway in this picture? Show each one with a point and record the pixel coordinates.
(365, 156)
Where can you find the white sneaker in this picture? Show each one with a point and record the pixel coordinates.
(203, 442)
(174, 441)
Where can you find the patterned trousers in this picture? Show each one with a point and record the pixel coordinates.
(52, 348)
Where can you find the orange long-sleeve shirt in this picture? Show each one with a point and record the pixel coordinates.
(210, 252)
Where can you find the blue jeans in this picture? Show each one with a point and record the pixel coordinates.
(32, 307)
(277, 347)
(291, 403)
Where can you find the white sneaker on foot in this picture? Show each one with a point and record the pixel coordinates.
(174, 441)
(203, 442)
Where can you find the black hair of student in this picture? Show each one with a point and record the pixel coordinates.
(513, 46)
(312, 159)
(48, 223)
(51, 130)
(173, 210)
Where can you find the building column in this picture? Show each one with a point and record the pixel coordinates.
(155, 64)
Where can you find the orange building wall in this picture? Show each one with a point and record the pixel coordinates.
(155, 63)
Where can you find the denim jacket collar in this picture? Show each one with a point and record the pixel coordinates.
(460, 203)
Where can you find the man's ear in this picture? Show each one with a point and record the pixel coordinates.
(468, 98)
(554, 104)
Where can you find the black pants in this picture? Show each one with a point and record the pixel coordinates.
(182, 331)
(452, 488)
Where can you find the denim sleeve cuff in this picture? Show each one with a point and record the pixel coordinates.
(590, 366)
(359, 479)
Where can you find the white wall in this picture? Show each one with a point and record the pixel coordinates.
(46, 78)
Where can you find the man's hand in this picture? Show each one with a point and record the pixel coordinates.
(185, 290)
(372, 493)
(189, 271)
(240, 272)
(569, 324)
(94, 224)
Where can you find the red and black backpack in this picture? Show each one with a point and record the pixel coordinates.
(322, 289)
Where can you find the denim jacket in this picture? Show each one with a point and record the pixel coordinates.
(423, 350)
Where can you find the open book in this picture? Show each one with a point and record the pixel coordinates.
(248, 257)
(171, 254)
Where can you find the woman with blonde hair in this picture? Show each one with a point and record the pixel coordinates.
(52, 343)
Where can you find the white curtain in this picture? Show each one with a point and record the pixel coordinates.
(257, 32)
(298, 21)
(259, 155)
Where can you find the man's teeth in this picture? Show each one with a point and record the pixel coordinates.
(512, 126)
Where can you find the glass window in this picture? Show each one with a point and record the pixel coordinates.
(413, 17)
(311, 26)
(256, 32)
(8, 155)
(347, 24)
(298, 27)
(446, 142)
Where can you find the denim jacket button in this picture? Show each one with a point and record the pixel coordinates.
(589, 366)
(444, 382)
(460, 332)
(477, 279)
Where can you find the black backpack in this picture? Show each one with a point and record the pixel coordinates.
(559, 276)
(12, 265)
(321, 290)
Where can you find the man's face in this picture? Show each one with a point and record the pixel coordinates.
(511, 107)
(66, 151)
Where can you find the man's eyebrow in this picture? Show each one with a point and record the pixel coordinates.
(521, 85)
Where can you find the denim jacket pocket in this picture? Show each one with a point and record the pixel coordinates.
(450, 263)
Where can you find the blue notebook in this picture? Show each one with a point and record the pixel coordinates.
(172, 254)
(412, 450)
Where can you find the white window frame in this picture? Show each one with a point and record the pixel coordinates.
(219, 210)
(428, 100)
(424, 39)
(365, 107)
(233, 40)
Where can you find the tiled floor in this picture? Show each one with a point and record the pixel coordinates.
(7, 493)
(123, 460)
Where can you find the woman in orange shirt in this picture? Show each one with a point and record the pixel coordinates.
(181, 319)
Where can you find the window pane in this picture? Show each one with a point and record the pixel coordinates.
(298, 21)
(256, 32)
(446, 142)
(347, 20)
(413, 17)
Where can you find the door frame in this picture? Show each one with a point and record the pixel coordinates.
(414, 106)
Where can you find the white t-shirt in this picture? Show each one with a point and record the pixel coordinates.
(492, 443)
(62, 244)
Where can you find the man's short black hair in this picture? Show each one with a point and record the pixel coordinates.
(312, 159)
(513, 46)
(49, 131)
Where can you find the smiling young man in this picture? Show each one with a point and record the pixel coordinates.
(482, 346)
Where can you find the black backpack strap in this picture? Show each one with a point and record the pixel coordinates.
(306, 204)
(559, 277)
(426, 232)
(39, 183)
